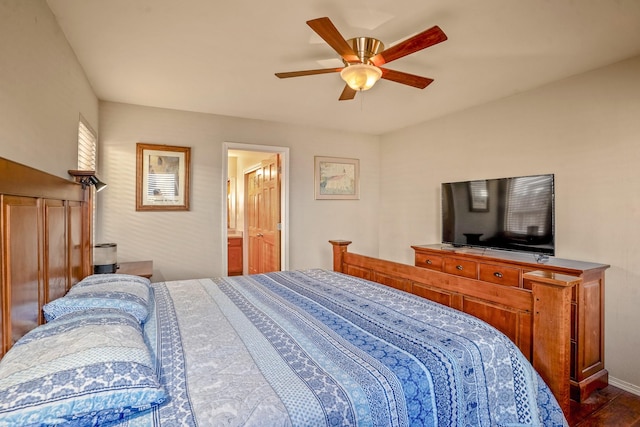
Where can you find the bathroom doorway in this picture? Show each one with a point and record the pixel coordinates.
(252, 174)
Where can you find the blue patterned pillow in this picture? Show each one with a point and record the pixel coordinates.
(86, 368)
(121, 291)
(95, 279)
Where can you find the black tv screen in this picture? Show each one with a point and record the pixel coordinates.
(515, 213)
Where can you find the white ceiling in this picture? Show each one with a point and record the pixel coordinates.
(220, 57)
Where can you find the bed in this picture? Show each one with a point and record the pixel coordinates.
(311, 347)
(308, 348)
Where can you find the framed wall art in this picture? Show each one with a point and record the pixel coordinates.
(162, 177)
(337, 178)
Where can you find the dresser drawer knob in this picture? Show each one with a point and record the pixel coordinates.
(429, 262)
(498, 274)
(459, 267)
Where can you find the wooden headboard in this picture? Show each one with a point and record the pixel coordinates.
(45, 241)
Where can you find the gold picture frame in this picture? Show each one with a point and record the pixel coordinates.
(162, 177)
(337, 178)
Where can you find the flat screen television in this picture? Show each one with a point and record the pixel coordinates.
(515, 213)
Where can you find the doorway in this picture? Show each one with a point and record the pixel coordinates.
(241, 162)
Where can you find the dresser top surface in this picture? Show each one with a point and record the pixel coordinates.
(513, 256)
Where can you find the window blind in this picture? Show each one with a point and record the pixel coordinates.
(528, 206)
(87, 146)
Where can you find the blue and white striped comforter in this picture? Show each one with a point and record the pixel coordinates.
(313, 348)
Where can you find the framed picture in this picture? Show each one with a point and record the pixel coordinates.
(337, 178)
(162, 177)
(478, 196)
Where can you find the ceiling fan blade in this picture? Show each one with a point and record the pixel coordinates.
(308, 72)
(406, 78)
(433, 35)
(347, 93)
(330, 34)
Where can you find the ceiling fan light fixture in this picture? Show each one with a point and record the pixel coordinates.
(361, 76)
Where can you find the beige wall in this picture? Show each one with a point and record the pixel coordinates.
(585, 130)
(43, 90)
(188, 244)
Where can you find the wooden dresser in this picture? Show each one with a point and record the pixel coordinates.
(507, 268)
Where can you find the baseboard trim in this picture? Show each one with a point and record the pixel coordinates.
(631, 388)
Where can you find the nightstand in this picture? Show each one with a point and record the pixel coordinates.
(136, 268)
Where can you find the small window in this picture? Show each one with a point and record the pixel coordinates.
(87, 146)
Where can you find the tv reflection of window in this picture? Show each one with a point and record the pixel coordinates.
(528, 210)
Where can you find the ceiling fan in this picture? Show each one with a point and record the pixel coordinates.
(363, 58)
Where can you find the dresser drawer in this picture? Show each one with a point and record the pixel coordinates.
(461, 267)
(434, 262)
(500, 274)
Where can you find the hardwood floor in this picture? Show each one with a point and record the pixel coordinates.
(610, 406)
